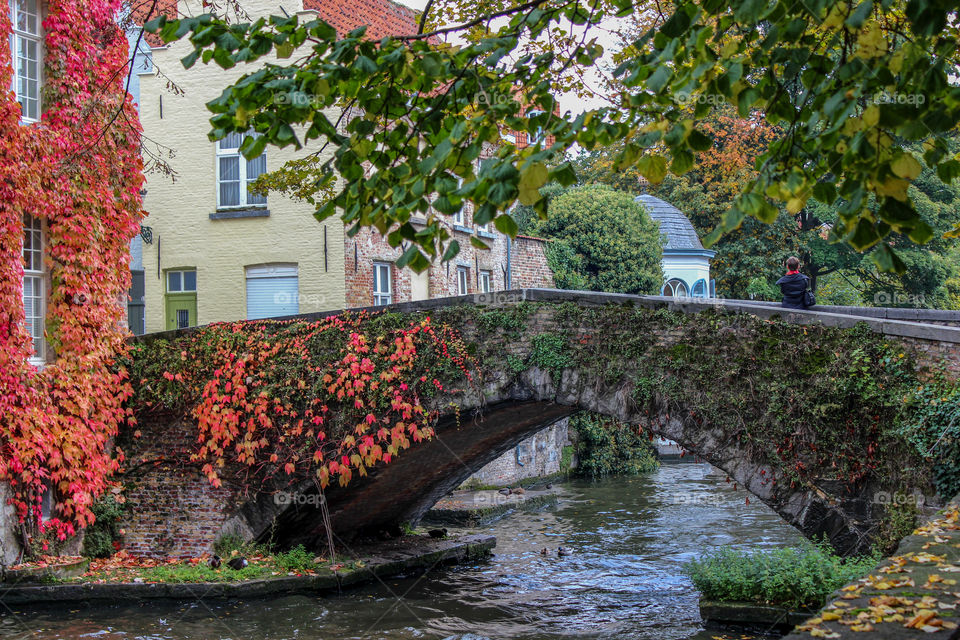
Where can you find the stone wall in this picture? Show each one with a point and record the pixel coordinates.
(9, 540)
(535, 457)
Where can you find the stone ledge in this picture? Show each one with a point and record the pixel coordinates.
(939, 537)
(899, 328)
(232, 214)
(384, 565)
(749, 614)
(475, 508)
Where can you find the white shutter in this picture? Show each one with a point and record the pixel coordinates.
(272, 291)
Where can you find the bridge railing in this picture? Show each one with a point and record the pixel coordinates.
(922, 324)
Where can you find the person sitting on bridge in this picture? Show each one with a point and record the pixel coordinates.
(794, 286)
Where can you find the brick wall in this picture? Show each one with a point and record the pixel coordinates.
(528, 265)
(535, 457)
(172, 509)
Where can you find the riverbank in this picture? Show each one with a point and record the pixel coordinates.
(411, 554)
(477, 508)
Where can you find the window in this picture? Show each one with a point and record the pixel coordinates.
(537, 136)
(273, 291)
(180, 301)
(463, 281)
(382, 293)
(484, 282)
(675, 287)
(179, 281)
(458, 218)
(699, 289)
(235, 174)
(34, 300)
(25, 46)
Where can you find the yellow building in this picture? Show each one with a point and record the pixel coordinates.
(217, 251)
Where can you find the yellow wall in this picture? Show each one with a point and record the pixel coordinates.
(179, 211)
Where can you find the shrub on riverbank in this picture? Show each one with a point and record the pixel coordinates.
(797, 578)
(609, 447)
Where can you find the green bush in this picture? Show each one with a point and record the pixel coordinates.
(99, 537)
(608, 447)
(797, 578)
(296, 560)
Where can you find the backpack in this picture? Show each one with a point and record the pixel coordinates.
(809, 299)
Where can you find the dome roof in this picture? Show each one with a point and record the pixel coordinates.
(676, 227)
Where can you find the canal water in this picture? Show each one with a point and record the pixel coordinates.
(629, 539)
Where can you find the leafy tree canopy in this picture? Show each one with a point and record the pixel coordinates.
(602, 240)
(848, 84)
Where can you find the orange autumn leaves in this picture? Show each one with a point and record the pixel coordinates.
(327, 399)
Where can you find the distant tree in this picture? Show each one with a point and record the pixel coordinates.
(602, 240)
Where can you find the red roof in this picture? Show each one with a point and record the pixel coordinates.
(381, 17)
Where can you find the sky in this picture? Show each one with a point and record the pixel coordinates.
(568, 102)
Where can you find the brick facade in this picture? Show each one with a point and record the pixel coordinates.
(527, 260)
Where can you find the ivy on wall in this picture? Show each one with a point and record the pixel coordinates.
(607, 447)
(293, 399)
(80, 171)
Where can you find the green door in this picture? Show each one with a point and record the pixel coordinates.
(181, 310)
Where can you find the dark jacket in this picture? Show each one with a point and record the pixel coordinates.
(792, 286)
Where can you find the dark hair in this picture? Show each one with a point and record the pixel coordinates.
(793, 263)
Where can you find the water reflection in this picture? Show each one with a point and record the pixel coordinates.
(629, 538)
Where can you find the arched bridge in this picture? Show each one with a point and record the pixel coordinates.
(795, 406)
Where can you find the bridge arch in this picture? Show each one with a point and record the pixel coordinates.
(693, 371)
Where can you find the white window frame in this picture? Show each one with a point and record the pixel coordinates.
(458, 218)
(234, 152)
(382, 275)
(181, 289)
(463, 281)
(534, 138)
(35, 273)
(484, 281)
(16, 36)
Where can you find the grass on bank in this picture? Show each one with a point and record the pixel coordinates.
(796, 578)
(124, 568)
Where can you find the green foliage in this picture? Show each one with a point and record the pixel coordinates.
(849, 87)
(761, 289)
(608, 447)
(933, 428)
(99, 537)
(798, 578)
(226, 545)
(296, 560)
(602, 241)
(566, 458)
(549, 353)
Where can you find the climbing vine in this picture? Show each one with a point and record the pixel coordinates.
(289, 399)
(79, 171)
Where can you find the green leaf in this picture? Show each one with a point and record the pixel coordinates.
(506, 224)
(532, 177)
(452, 250)
(478, 243)
(653, 168)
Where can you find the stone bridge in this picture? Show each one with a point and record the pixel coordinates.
(789, 404)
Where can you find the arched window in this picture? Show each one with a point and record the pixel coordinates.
(700, 288)
(675, 288)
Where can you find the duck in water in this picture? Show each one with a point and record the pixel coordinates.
(563, 551)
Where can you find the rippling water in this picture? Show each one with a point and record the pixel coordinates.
(629, 537)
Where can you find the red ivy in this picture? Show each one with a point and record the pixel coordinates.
(326, 399)
(80, 171)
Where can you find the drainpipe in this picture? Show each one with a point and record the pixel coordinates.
(509, 283)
